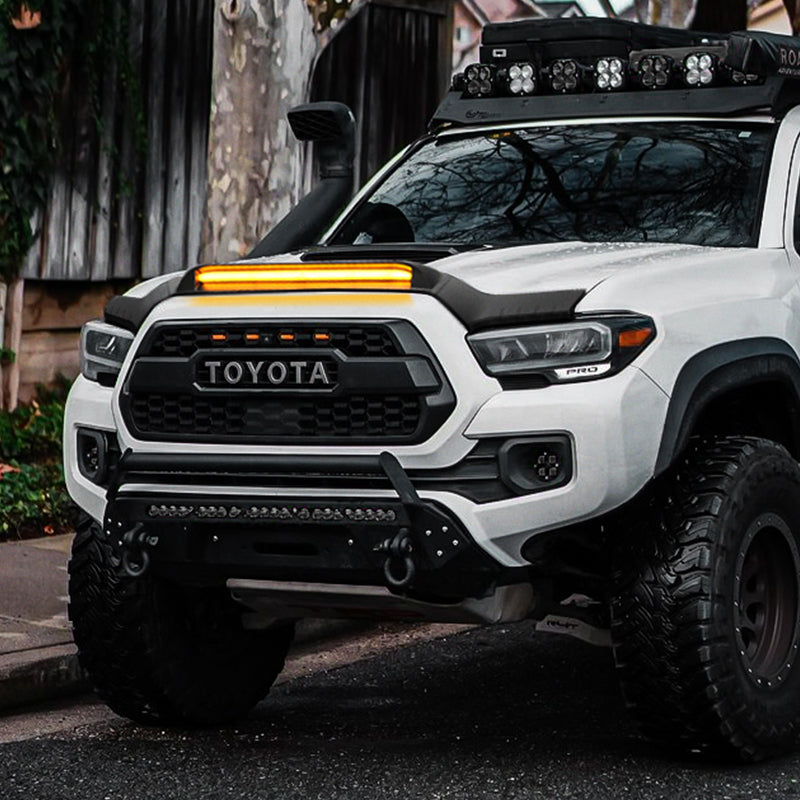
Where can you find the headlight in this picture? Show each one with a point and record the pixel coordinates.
(571, 351)
(103, 349)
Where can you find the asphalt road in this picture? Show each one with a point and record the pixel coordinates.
(487, 713)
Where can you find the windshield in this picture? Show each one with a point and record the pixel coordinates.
(644, 182)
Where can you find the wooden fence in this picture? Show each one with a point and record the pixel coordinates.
(391, 65)
(121, 207)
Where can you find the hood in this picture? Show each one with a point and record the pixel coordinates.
(559, 266)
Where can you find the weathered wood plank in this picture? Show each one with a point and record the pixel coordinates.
(127, 247)
(53, 263)
(81, 170)
(33, 260)
(51, 306)
(177, 200)
(43, 357)
(198, 117)
(155, 101)
(102, 238)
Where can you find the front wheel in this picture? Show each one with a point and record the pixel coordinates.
(706, 613)
(161, 653)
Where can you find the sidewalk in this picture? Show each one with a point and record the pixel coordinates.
(38, 658)
(37, 655)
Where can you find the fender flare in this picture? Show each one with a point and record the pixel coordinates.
(711, 373)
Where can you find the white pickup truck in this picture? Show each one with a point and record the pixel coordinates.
(543, 366)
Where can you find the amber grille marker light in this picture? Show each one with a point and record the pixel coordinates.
(289, 277)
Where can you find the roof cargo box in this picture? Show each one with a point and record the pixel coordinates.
(542, 39)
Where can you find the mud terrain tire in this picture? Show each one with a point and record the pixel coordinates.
(706, 610)
(160, 653)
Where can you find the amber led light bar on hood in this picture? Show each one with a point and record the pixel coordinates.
(299, 277)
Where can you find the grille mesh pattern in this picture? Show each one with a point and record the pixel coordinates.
(356, 415)
(353, 341)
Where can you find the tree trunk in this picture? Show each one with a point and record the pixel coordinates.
(13, 337)
(672, 13)
(264, 52)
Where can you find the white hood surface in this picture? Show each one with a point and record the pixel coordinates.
(568, 265)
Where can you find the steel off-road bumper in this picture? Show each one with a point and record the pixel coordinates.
(400, 557)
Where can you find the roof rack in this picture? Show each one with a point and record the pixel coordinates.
(555, 69)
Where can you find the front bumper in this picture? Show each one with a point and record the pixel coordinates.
(611, 424)
(414, 548)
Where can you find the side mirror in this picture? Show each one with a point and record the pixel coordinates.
(332, 127)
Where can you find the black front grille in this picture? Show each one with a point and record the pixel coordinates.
(356, 341)
(369, 393)
(353, 416)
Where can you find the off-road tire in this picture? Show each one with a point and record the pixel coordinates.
(160, 653)
(706, 605)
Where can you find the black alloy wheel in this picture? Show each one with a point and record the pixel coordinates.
(706, 606)
(766, 611)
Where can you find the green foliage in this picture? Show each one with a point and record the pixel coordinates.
(32, 433)
(75, 42)
(7, 356)
(33, 498)
(34, 501)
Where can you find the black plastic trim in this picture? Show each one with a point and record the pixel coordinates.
(476, 477)
(308, 220)
(717, 370)
(416, 374)
(479, 311)
(775, 95)
(130, 312)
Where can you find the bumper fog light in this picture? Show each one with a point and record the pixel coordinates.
(93, 451)
(536, 463)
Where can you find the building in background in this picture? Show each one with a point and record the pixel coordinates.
(770, 16)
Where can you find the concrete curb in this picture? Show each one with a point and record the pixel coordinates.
(43, 674)
(47, 673)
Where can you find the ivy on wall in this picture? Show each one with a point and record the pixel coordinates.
(31, 62)
(43, 44)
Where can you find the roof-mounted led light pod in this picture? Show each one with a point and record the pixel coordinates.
(522, 79)
(699, 69)
(564, 75)
(609, 74)
(480, 79)
(654, 71)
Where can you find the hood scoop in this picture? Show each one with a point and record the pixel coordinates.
(419, 253)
